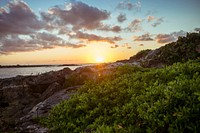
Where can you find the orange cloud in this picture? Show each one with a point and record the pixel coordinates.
(93, 37)
(145, 37)
(150, 18)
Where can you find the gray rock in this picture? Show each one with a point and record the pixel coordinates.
(20, 94)
(55, 87)
(151, 54)
(41, 110)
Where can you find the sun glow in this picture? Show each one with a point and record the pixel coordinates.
(100, 59)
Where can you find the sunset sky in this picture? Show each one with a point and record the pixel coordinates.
(85, 31)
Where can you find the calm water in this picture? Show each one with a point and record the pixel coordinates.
(12, 72)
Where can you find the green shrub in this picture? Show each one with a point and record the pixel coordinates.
(184, 49)
(75, 79)
(140, 100)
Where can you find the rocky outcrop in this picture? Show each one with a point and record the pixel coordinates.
(20, 94)
(144, 58)
(27, 124)
(96, 71)
(151, 54)
(54, 87)
(24, 98)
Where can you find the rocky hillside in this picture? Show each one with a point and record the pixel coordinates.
(20, 94)
(184, 49)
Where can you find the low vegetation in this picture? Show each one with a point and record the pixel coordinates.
(134, 99)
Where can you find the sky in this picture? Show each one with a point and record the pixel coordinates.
(90, 31)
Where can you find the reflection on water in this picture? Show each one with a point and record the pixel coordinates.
(12, 72)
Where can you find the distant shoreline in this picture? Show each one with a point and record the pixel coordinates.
(19, 66)
(31, 70)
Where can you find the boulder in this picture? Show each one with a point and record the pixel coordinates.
(41, 110)
(52, 89)
(20, 94)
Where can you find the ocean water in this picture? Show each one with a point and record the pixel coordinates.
(12, 72)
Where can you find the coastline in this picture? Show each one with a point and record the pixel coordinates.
(10, 72)
(35, 95)
(33, 70)
(13, 71)
(19, 66)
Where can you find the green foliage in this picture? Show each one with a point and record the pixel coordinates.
(140, 54)
(75, 79)
(184, 49)
(136, 100)
(78, 78)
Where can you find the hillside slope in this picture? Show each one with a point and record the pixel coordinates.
(134, 99)
(184, 49)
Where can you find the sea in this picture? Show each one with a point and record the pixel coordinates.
(23, 71)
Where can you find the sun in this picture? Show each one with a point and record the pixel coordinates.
(100, 59)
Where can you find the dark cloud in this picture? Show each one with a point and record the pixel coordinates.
(128, 5)
(111, 28)
(121, 18)
(16, 44)
(47, 16)
(158, 22)
(18, 18)
(154, 21)
(179, 33)
(47, 37)
(116, 29)
(93, 37)
(52, 22)
(40, 41)
(150, 18)
(135, 25)
(115, 46)
(63, 30)
(145, 37)
(77, 14)
(166, 38)
(20, 28)
(75, 45)
(197, 29)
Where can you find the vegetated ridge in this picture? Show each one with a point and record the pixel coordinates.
(184, 49)
(138, 99)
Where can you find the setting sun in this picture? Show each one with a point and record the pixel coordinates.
(100, 59)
